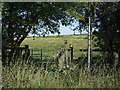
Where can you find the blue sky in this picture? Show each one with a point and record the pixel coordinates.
(67, 31)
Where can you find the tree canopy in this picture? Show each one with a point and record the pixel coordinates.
(105, 20)
(19, 18)
(108, 25)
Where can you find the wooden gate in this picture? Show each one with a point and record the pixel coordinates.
(43, 56)
(61, 58)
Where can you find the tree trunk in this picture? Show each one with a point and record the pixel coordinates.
(110, 47)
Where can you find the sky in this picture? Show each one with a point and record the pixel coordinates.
(67, 31)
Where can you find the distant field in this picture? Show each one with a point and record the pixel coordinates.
(56, 42)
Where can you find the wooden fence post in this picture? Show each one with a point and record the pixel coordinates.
(65, 52)
(26, 49)
(71, 48)
(31, 54)
(69, 56)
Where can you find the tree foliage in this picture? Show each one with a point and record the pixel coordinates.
(20, 18)
(108, 25)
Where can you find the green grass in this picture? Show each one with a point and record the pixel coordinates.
(55, 42)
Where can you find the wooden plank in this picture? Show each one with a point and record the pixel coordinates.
(36, 54)
(46, 56)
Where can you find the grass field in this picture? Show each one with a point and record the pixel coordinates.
(57, 42)
(28, 75)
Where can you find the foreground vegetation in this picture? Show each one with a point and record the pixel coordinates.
(26, 75)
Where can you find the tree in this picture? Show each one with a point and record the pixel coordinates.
(104, 17)
(108, 24)
(19, 18)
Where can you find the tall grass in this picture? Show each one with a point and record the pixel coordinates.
(28, 75)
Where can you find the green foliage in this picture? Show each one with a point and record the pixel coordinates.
(105, 18)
